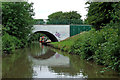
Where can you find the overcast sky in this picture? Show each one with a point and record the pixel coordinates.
(43, 8)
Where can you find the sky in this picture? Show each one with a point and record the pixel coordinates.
(43, 8)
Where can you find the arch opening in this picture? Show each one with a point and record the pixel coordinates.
(49, 35)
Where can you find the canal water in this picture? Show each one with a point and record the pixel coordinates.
(38, 61)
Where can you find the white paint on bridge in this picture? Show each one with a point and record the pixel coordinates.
(60, 32)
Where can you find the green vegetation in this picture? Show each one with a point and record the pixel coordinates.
(0, 38)
(60, 17)
(101, 44)
(101, 13)
(10, 42)
(39, 21)
(17, 24)
(66, 44)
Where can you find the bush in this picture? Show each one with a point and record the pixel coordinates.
(101, 46)
(9, 43)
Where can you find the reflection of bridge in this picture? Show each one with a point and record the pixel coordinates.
(55, 59)
(47, 55)
(60, 32)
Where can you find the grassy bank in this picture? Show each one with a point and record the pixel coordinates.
(66, 44)
(99, 46)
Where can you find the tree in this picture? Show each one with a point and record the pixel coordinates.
(60, 17)
(101, 13)
(17, 19)
(17, 24)
(39, 21)
(86, 21)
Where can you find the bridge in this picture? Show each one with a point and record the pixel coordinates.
(59, 32)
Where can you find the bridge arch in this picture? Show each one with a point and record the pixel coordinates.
(54, 32)
(49, 35)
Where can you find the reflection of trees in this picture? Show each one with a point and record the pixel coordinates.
(65, 70)
(71, 70)
(47, 55)
(39, 51)
(17, 65)
(81, 66)
(89, 68)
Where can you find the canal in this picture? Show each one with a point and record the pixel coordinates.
(38, 61)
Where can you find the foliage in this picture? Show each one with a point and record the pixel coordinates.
(101, 13)
(86, 21)
(17, 19)
(9, 43)
(17, 24)
(100, 46)
(39, 21)
(0, 38)
(60, 17)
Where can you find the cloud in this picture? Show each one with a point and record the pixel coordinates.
(43, 8)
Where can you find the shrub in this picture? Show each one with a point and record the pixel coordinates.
(101, 46)
(9, 43)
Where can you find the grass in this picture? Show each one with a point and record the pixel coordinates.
(66, 44)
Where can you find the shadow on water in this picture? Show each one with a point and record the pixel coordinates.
(38, 61)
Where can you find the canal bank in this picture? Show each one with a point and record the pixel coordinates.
(102, 47)
(66, 44)
(38, 61)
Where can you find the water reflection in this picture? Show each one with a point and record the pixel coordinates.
(39, 61)
(13, 66)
